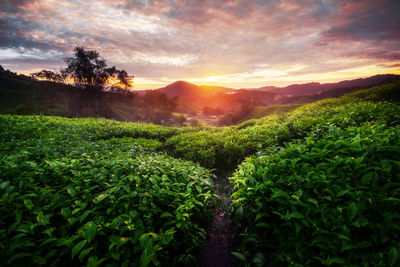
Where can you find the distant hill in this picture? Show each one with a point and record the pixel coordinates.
(194, 98)
(318, 88)
(187, 90)
(235, 100)
(20, 94)
(224, 98)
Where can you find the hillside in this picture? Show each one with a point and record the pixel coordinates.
(24, 95)
(336, 89)
(259, 112)
(228, 99)
(20, 94)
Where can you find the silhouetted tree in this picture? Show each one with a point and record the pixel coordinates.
(90, 71)
(48, 75)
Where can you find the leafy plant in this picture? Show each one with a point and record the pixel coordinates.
(326, 200)
(68, 196)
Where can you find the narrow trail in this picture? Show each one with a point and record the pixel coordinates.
(217, 250)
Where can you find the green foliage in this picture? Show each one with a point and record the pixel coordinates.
(385, 92)
(83, 128)
(259, 112)
(227, 147)
(72, 192)
(330, 199)
(320, 189)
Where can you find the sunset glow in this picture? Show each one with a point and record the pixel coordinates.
(232, 43)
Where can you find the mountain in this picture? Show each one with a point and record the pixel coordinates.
(191, 91)
(226, 99)
(314, 88)
(194, 98)
(187, 90)
(235, 100)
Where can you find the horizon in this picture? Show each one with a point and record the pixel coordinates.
(282, 86)
(248, 88)
(234, 44)
(265, 85)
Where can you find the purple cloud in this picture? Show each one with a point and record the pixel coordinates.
(163, 40)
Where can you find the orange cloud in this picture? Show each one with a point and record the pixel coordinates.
(229, 42)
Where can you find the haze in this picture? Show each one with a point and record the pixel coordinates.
(217, 42)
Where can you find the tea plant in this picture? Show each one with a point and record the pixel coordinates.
(227, 147)
(321, 187)
(326, 200)
(67, 200)
(83, 128)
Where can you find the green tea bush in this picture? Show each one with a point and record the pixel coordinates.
(386, 92)
(259, 112)
(224, 148)
(83, 128)
(65, 200)
(227, 147)
(332, 199)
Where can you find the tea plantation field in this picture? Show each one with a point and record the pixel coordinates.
(71, 193)
(318, 185)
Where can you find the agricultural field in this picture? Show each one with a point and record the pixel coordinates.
(316, 184)
(91, 192)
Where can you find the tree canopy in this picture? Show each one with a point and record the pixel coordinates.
(88, 71)
(48, 75)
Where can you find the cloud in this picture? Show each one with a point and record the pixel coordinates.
(12, 34)
(366, 21)
(12, 6)
(396, 65)
(370, 26)
(163, 40)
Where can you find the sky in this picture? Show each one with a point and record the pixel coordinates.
(232, 43)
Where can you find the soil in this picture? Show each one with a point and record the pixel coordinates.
(217, 251)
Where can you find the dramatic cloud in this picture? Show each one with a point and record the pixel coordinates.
(238, 43)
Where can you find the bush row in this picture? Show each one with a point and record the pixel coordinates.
(326, 200)
(226, 147)
(65, 200)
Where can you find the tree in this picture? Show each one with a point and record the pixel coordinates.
(90, 71)
(48, 75)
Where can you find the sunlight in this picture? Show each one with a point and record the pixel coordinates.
(199, 133)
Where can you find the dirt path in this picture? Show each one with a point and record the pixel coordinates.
(220, 244)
